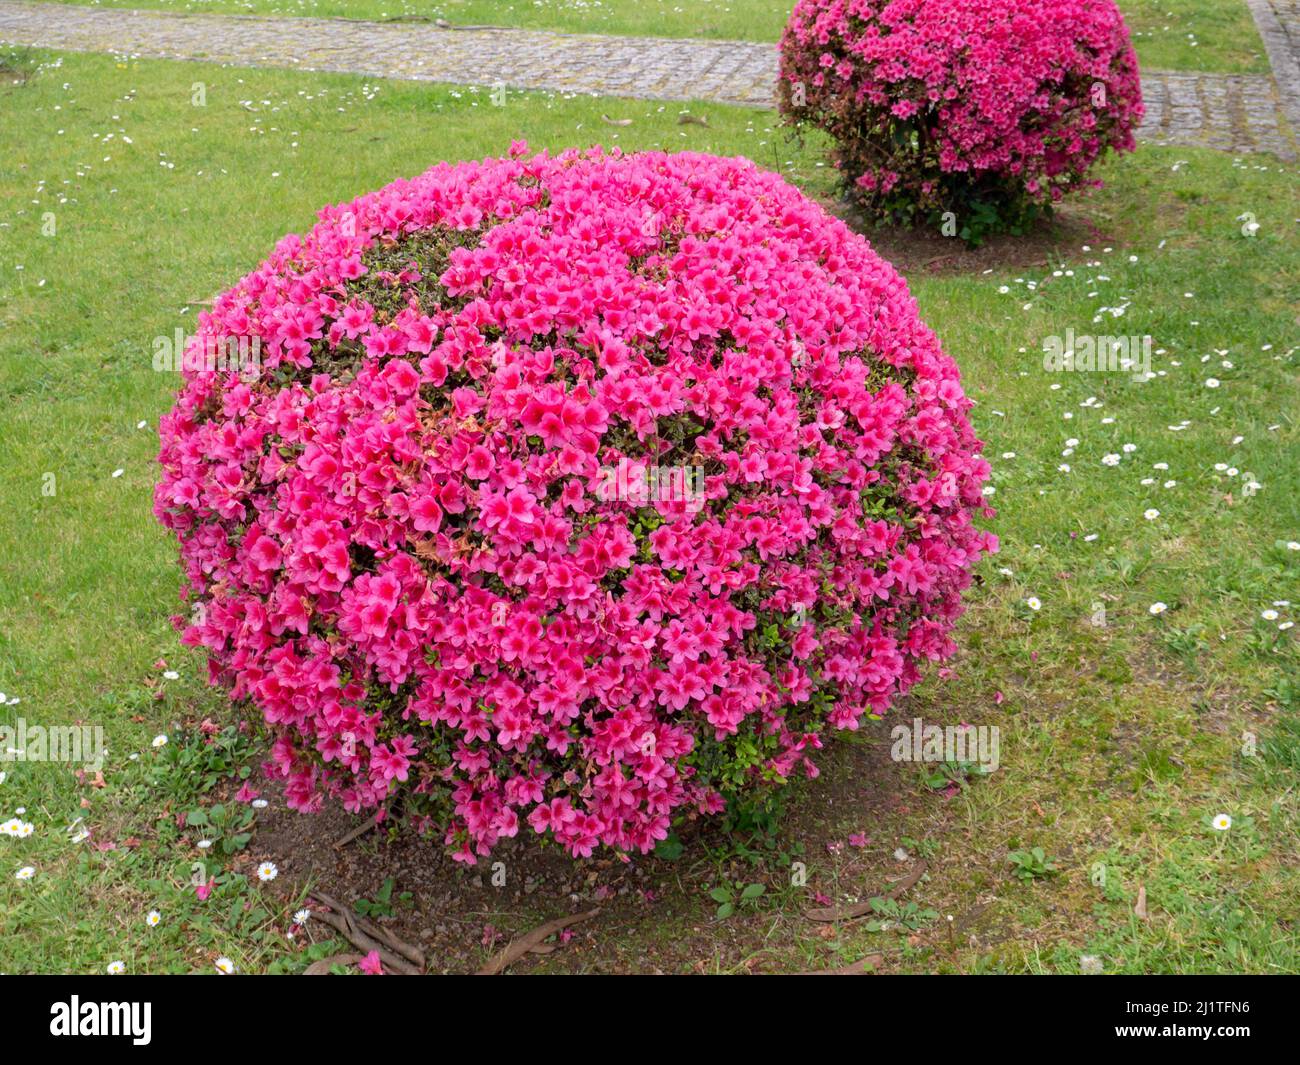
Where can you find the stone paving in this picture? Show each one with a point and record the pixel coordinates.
(1278, 22)
(1238, 113)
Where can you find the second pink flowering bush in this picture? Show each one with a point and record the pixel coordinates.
(418, 539)
(989, 109)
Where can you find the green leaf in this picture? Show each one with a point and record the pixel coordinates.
(669, 849)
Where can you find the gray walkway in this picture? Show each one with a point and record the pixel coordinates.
(1239, 113)
(1278, 22)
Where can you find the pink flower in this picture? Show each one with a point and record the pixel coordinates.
(371, 965)
(926, 99)
(403, 543)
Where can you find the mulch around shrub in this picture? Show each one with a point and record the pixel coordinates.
(650, 915)
(927, 252)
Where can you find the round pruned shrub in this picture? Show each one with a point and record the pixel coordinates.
(569, 495)
(972, 115)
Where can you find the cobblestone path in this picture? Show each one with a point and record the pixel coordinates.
(1278, 22)
(1238, 112)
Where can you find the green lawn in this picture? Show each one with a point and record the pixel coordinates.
(1120, 742)
(1216, 35)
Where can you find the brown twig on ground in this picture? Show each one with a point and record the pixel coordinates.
(368, 936)
(322, 967)
(362, 941)
(360, 830)
(861, 967)
(693, 120)
(517, 948)
(860, 909)
(376, 931)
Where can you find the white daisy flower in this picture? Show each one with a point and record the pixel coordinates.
(259, 804)
(1034, 603)
(1110, 460)
(1222, 822)
(1157, 608)
(153, 919)
(25, 873)
(225, 966)
(267, 871)
(171, 674)
(1151, 514)
(1268, 615)
(116, 968)
(160, 741)
(302, 917)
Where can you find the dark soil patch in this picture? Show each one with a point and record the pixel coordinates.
(655, 913)
(927, 251)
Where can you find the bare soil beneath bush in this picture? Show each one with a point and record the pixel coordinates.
(654, 913)
(927, 251)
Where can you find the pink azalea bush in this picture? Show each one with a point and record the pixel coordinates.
(989, 109)
(401, 539)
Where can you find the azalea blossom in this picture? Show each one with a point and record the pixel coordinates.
(1022, 98)
(411, 558)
